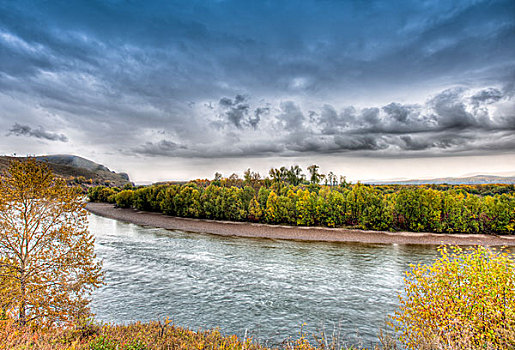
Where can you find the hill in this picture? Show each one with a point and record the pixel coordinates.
(77, 170)
(470, 180)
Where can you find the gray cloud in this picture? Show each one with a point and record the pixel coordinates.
(397, 111)
(40, 133)
(432, 141)
(291, 117)
(360, 143)
(159, 148)
(236, 112)
(488, 96)
(451, 110)
(453, 121)
(258, 113)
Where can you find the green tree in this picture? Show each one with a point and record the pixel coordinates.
(262, 197)
(255, 212)
(251, 179)
(232, 206)
(294, 175)
(100, 193)
(314, 175)
(418, 209)
(306, 208)
(210, 200)
(498, 214)
(246, 194)
(378, 213)
(124, 199)
(167, 203)
(271, 211)
(187, 202)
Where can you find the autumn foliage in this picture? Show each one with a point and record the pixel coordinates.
(47, 263)
(464, 300)
(396, 208)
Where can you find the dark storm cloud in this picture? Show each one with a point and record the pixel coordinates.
(450, 110)
(360, 143)
(233, 78)
(235, 111)
(432, 141)
(40, 133)
(454, 120)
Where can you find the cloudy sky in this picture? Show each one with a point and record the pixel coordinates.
(181, 89)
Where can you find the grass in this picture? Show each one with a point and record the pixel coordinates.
(142, 336)
(166, 335)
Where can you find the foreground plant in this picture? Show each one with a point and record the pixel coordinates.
(47, 262)
(135, 336)
(464, 300)
(142, 336)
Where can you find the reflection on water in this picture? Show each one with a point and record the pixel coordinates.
(264, 287)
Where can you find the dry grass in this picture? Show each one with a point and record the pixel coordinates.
(165, 335)
(139, 336)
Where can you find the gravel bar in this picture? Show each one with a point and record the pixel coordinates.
(246, 229)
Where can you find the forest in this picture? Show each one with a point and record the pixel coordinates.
(288, 197)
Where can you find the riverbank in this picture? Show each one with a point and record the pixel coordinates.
(246, 229)
(133, 336)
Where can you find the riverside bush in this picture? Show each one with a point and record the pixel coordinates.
(464, 300)
(124, 199)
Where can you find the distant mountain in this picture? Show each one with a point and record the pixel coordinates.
(470, 180)
(77, 169)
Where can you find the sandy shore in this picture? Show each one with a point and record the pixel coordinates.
(244, 229)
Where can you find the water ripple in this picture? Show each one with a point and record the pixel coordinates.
(267, 287)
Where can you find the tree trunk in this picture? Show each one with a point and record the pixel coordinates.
(22, 317)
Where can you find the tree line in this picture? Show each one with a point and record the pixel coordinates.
(297, 201)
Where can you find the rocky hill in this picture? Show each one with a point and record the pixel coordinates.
(77, 170)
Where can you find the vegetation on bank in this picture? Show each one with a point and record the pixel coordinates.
(464, 300)
(145, 336)
(286, 197)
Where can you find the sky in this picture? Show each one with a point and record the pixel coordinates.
(175, 90)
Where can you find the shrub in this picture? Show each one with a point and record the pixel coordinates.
(124, 198)
(465, 299)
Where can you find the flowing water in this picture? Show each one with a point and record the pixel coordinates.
(260, 287)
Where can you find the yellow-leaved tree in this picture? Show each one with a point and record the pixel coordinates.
(48, 267)
(464, 300)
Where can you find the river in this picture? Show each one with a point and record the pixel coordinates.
(264, 288)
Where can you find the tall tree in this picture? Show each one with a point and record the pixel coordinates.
(313, 171)
(46, 250)
(295, 176)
